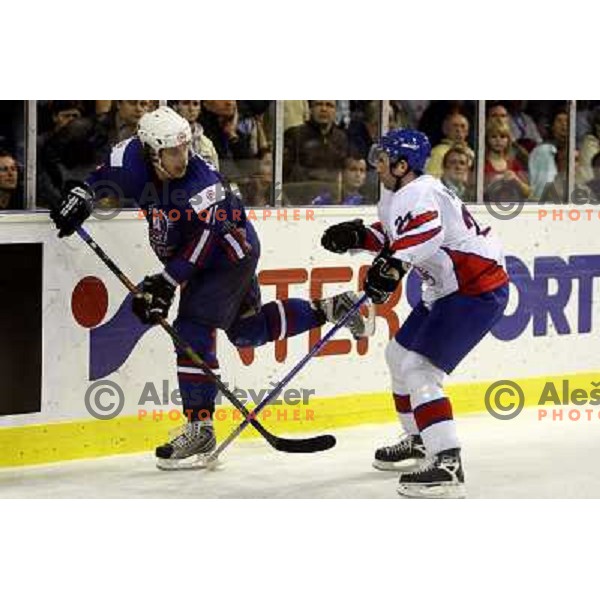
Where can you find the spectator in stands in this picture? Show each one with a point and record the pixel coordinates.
(12, 128)
(505, 176)
(201, 144)
(407, 113)
(585, 110)
(219, 118)
(236, 140)
(497, 110)
(398, 117)
(62, 113)
(589, 148)
(555, 190)
(435, 113)
(456, 172)
(68, 151)
(257, 191)
(543, 163)
(354, 178)
(456, 131)
(119, 119)
(9, 183)
(314, 154)
(343, 112)
(65, 111)
(253, 120)
(363, 128)
(102, 107)
(295, 112)
(523, 129)
(594, 184)
(542, 112)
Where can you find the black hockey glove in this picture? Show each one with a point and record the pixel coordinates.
(154, 299)
(75, 207)
(344, 236)
(383, 278)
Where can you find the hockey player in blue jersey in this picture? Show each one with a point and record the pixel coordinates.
(210, 251)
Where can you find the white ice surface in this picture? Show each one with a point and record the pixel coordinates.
(521, 458)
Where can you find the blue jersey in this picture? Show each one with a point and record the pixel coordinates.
(194, 222)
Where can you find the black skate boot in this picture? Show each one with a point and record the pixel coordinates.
(407, 455)
(189, 449)
(440, 477)
(334, 308)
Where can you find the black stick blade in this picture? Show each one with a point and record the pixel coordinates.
(319, 443)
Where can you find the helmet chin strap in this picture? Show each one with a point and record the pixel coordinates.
(159, 167)
(398, 180)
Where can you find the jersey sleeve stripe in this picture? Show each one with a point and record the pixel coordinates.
(409, 241)
(235, 245)
(420, 220)
(374, 239)
(283, 328)
(170, 279)
(200, 246)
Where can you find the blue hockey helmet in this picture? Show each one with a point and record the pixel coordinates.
(409, 144)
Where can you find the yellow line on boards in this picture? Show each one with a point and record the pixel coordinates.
(51, 442)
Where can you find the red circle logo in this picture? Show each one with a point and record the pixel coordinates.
(89, 302)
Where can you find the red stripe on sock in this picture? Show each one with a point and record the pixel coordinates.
(402, 402)
(433, 412)
(186, 362)
(194, 377)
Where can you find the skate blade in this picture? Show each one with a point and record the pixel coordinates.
(403, 466)
(442, 491)
(196, 462)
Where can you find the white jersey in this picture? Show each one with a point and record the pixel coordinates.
(426, 225)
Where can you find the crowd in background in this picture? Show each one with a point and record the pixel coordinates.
(325, 146)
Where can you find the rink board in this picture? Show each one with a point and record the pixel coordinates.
(550, 333)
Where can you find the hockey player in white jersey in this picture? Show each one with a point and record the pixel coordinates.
(425, 226)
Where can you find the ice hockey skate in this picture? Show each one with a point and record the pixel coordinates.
(189, 449)
(406, 455)
(336, 307)
(441, 476)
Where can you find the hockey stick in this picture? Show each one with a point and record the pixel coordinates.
(314, 444)
(275, 391)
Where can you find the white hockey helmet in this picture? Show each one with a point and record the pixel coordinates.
(163, 128)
